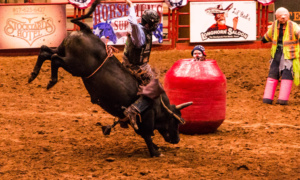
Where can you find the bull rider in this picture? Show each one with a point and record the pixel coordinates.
(136, 57)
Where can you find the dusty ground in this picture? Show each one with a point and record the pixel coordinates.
(56, 134)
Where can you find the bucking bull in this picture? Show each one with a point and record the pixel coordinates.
(108, 82)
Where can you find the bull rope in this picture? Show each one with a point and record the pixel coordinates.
(171, 112)
(109, 52)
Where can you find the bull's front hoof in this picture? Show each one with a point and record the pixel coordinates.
(156, 154)
(51, 84)
(155, 146)
(124, 124)
(32, 77)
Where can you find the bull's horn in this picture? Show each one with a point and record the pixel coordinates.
(184, 105)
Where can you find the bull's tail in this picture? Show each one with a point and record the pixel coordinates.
(82, 25)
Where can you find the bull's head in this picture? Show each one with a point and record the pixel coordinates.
(170, 128)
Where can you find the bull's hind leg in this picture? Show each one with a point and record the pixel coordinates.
(45, 54)
(56, 62)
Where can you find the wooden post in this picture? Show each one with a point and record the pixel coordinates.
(173, 29)
(267, 19)
(74, 28)
(83, 13)
(262, 21)
(177, 24)
(258, 20)
(169, 25)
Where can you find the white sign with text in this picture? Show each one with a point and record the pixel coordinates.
(222, 21)
(31, 26)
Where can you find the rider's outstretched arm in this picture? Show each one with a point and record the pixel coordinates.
(137, 33)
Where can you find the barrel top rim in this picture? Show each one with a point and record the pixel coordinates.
(190, 60)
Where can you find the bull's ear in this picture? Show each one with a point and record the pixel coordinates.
(183, 105)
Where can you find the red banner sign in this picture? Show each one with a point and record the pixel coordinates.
(266, 2)
(81, 4)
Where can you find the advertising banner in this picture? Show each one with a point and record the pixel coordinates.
(111, 20)
(175, 4)
(32, 26)
(219, 21)
(266, 2)
(81, 4)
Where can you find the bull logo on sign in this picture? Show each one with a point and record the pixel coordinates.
(105, 29)
(30, 31)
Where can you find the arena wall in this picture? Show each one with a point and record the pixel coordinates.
(176, 29)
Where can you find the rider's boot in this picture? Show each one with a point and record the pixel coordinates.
(135, 109)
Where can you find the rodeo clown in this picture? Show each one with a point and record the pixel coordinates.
(198, 53)
(284, 35)
(136, 57)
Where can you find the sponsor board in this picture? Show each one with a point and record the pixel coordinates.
(111, 20)
(222, 21)
(266, 2)
(32, 26)
(81, 4)
(175, 4)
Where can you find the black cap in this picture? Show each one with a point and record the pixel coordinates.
(200, 48)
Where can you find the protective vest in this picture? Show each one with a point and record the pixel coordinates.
(135, 55)
(290, 39)
(290, 44)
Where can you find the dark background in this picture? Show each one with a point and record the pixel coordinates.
(293, 6)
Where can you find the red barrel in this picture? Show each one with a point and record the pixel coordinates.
(203, 83)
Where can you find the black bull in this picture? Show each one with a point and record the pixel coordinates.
(112, 87)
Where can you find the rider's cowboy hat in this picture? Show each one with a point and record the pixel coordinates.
(219, 9)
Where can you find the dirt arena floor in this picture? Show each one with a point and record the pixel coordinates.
(56, 133)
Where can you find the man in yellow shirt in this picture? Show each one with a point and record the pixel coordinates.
(284, 35)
